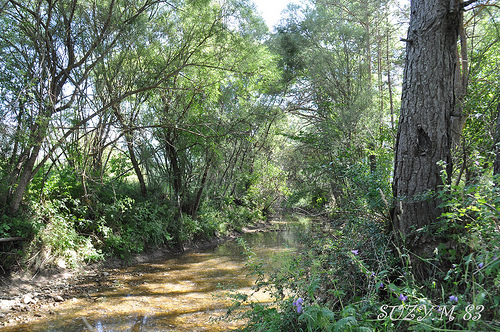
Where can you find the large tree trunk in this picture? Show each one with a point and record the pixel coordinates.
(424, 135)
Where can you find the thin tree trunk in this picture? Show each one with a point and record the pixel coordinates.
(135, 164)
(176, 171)
(379, 74)
(24, 180)
(197, 201)
(177, 184)
(496, 164)
(130, 146)
(27, 172)
(389, 83)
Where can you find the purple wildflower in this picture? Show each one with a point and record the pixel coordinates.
(355, 252)
(453, 298)
(402, 297)
(381, 285)
(298, 304)
(480, 265)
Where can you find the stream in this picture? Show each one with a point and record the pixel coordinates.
(184, 293)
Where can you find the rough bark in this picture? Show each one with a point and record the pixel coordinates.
(424, 135)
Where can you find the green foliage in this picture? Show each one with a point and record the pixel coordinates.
(59, 184)
(206, 225)
(268, 184)
(470, 224)
(345, 186)
(22, 226)
(226, 216)
(128, 226)
(352, 278)
(57, 241)
(26, 226)
(480, 132)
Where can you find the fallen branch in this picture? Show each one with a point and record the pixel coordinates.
(309, 214)
(12, 239)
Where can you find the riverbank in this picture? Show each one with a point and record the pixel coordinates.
(25, 296)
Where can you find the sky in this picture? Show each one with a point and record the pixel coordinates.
(270, 10)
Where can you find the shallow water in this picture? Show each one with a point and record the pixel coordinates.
(184, 293)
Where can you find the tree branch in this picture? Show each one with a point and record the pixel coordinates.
(467, 3)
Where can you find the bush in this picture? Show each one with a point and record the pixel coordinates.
(58, 243)
(128, 226)
(22, 226)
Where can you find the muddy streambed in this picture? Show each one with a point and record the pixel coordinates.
(184, 293)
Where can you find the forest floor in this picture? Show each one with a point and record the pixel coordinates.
(23, 295)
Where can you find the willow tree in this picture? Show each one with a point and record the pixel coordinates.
(433, 88)
(209, 102)
(49, 48)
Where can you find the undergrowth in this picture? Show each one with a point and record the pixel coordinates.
(352, 276)
(66, 230)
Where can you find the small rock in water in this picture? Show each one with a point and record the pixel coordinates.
(58, 298)
(27, 298)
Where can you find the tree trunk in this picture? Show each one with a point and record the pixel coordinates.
(24, 180)
(135, 164)
(197, 201)
(37, 137)
(424, 133)
(389, 84)
(130, 146)
(496, 164)
(176, 171)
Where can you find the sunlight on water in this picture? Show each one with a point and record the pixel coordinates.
(184, 293)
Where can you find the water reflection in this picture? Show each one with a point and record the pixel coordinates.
(184, 293)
